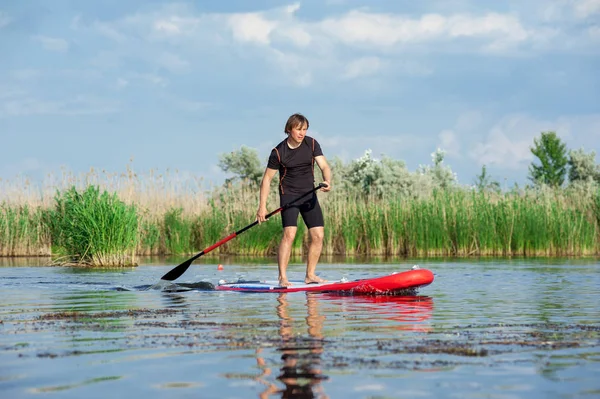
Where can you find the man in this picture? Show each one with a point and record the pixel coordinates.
(294, 158)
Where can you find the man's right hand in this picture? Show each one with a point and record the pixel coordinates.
(261, 215)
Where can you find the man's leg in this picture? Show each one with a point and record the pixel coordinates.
(314, 252)
(283, 256)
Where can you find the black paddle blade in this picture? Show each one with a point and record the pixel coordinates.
(177, 271)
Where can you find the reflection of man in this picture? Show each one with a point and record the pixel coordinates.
(300, 371)
(313, 319)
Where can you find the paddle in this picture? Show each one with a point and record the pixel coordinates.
(176, 272)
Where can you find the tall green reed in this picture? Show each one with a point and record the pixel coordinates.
(177, 232)
(463, 223)
(451, 222)
(94, 228)
(23, 231)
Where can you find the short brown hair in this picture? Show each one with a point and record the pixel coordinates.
(295, 120)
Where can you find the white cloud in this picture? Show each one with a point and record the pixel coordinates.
(293, 68)
(150, 78)
(303, 51)
(23, 104)
(278, 24)
(297, 35)
(399, 145)
(110, 31)
(508, 143)
(587, 8)
(173, 62)
(292, 8)
(449, 143)
(251, 27)
(362, 67)
(30, 74)
(565, 10)
(506, 26)
(386, 30)
(500, 150)
(594, 32)
(176, 25)
(52, 43)
(170, 27)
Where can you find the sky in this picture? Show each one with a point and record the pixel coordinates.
(161, 85)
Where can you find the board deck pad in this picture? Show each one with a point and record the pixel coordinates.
(389, 284)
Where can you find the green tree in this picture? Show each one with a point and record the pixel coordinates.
(244, 164)
(484, 182)
(552, 155)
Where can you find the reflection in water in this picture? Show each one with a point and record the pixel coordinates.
(302, 356)
(169, 286)
(300, 372)
(57, 388)
(89, 301)
(407, 313)
(175, 301)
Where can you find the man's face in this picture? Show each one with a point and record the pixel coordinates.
(297, 133)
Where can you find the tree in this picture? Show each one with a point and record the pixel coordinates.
(484, 181)
(442, 176)
(244, 163)
(364, 172)
(552, 155)
(381, 177)
(582, 166)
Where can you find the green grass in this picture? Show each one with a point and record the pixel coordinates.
(94, 228)
(177, 232)
(23, 231)
(99, 228)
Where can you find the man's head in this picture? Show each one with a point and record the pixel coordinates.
(295, 121)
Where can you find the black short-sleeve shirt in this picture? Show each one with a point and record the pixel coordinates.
(296, 166)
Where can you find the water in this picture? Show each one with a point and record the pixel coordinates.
(492, 328)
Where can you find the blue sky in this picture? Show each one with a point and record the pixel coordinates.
(172, 85)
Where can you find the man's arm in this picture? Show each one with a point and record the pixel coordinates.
(265, 187)
(325, 171)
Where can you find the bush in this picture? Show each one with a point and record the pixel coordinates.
(94, 229)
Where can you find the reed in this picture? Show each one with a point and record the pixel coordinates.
(177, 232)
(463, 223)
(93, 228)
(162, 214)
(23, 231)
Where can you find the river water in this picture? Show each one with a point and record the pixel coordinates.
(485, 328)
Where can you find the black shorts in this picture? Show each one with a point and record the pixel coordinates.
(308, 208)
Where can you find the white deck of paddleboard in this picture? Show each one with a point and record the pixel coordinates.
(272, 284)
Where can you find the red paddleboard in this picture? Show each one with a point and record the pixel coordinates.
(390, 284)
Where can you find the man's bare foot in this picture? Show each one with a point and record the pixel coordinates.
(314, 279)
(283, 282)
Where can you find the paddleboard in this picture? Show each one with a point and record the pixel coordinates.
(383, 285)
